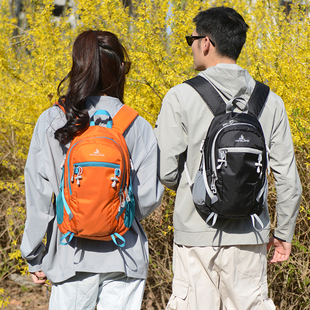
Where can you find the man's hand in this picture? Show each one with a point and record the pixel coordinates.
(38, 277)
(282, 250)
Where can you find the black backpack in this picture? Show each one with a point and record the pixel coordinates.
(231, 180)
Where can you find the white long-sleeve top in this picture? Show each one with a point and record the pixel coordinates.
(42, 179)
(181, 126)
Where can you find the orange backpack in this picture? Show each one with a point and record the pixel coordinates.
(95, 198)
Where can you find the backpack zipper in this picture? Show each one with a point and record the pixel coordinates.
(213, 164)
(223, 151)
(78, 170)
(68, 164)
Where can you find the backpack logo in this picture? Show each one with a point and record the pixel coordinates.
(242, 139)
(96, 153)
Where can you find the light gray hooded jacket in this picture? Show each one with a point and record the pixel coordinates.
(42, 178)
(183, 123)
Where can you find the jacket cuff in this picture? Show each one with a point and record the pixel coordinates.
(279, 238)
(34, 264)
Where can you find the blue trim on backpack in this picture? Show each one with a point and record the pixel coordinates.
(119, 237)
(66, 206)
(96, 164)
(128, 203)
(61, 202)
(69, 233)
(70, 150)
(101, 112)
(130, 206)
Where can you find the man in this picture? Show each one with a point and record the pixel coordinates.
(224, 266)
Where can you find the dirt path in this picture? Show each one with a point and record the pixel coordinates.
(25, 297)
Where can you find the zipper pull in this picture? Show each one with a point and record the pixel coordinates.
(127, 195)
(213, 187)
(222, 160)
(122, 202)
(117, 173)
(75, 171)
(114, 181)
(259, 163)
(201, 145)
(78, 171)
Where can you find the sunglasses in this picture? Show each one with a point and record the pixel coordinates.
(191, 39)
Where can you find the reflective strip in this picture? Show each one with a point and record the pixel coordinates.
(214, 140)
(204, 175)
(241, 150)
(261, 192)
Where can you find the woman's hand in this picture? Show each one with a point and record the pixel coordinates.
(38, 277)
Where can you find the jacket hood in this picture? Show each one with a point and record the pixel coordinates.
(231, 81)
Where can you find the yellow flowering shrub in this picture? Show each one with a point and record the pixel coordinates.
(3, 301)
(33, 62)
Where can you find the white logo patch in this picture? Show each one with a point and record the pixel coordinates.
(96, 153)
(242, 139)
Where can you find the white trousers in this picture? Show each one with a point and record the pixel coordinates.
(220, 278)
(112, 291)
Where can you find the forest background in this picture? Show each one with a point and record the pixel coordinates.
(35, 56)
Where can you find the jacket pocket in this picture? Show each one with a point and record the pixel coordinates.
(178, 299)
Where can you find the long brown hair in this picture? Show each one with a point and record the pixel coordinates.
(99, 65)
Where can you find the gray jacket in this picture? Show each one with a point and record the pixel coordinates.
(42, 178)
(182, 125)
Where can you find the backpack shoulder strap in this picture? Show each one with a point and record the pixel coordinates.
(60, 106)
(208, 93)
(258, 98)
(123, 118)
(216, 103)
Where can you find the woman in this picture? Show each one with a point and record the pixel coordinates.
(88, 272)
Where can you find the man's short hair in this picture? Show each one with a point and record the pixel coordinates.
(225, 27)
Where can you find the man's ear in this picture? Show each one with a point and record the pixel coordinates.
(205, 45)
